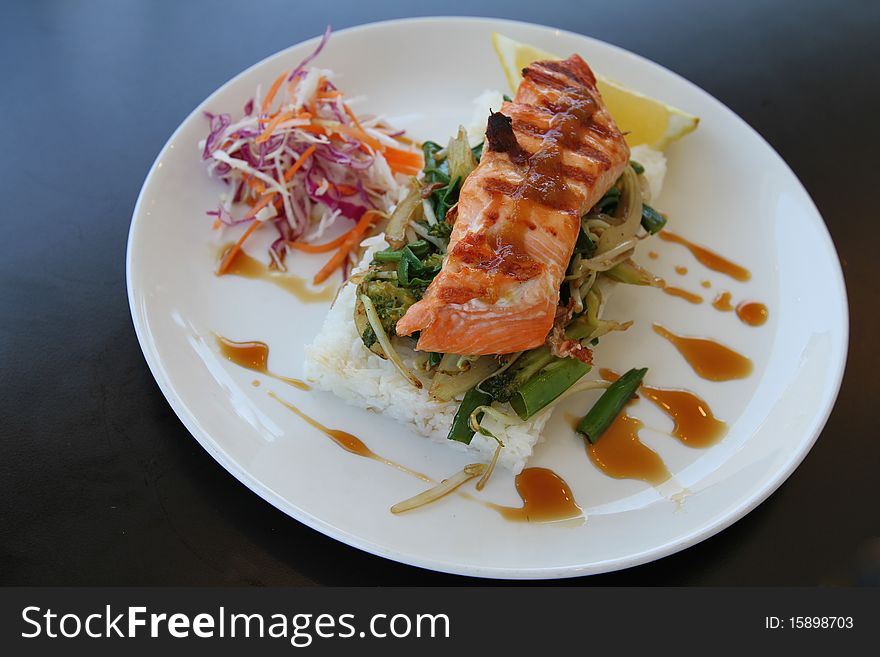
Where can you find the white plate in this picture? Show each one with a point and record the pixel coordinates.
(726, 188)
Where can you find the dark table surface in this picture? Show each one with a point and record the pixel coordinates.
(99, 481)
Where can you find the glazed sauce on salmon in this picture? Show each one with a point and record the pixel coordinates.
(546, 498)
(549, 156)
(708, 258)
(253, 355)
(709, 359)
(247, 267)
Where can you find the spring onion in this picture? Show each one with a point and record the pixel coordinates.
(461, 430)
(547, 385)
(609, 405)
(652, 221)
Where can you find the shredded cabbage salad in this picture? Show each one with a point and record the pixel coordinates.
(299, 159)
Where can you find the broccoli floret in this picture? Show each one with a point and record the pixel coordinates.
(442, 230)
(433, 261)
(391, 303)
(369, 337)
(502, 387)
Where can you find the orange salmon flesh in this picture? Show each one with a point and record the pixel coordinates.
(549, 156)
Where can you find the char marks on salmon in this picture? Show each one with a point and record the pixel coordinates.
(550, 155)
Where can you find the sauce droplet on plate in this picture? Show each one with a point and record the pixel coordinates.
(347, 441)
(652, 255)
(253, 355)
(620, 454)
(681, 270)
(708, 258)
(695, 424)
(247, 267)
(722, 302)
(545, 495)
(752, 313)
(709, 359)
(706, 284)
(683, 294)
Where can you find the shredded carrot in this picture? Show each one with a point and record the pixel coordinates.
(316, 129)
(232, 253)
(326, 95)
(262, 203)
(350, 243)
(258, 186)
(267, 131)
(299, 162)
(358, 134)
(320, 248)
(407, 162)
(346, 190)
(217, 223)
(354, 119)
(267, 101)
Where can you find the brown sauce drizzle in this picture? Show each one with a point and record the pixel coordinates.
(680, 270)
(246, 267)
(752, 313)
(709, 359)
(695, 425)
(349, 442)
(722, 302)
(545, 495)
(620, 454)
(683, 294)
(254, 356)
(708, 258)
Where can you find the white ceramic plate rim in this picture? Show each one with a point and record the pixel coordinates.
(747, 504)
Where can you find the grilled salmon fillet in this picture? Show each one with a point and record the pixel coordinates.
(549, 156)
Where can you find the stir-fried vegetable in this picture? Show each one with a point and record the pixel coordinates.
(609, 405)
(547, 385)
(461, 429)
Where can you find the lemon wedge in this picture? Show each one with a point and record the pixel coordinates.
(646, 120)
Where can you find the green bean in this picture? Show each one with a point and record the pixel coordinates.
(609, 405)
(547, 385)
(652, 221)
(461, 430)
(387, 256)
(434, 358)
(638, 168)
